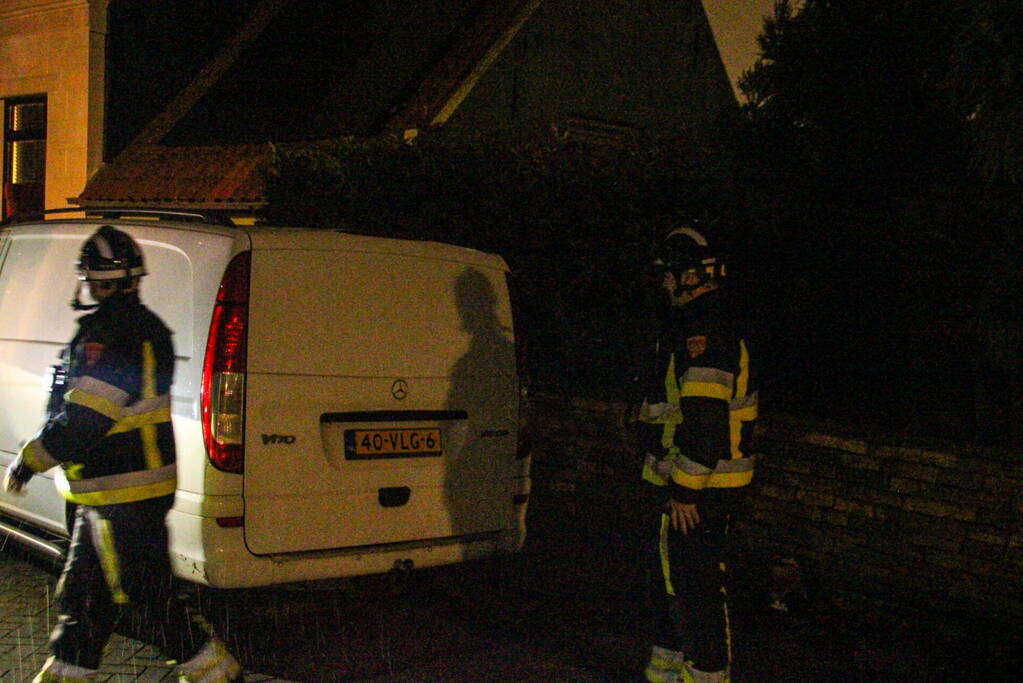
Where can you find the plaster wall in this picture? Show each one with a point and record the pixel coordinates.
(736, 25)
(56, 48)
(648, 67)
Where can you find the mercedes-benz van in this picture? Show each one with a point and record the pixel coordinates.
(342, 404)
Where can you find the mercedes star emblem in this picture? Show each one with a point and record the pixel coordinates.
(399, 389)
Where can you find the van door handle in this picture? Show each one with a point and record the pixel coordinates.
(393, 496)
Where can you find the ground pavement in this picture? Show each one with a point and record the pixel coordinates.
(571, 607)
(27, 616)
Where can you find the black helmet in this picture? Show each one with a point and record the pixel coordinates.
(110, 255)
(686, 249)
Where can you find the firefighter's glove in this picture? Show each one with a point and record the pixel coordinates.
(18, 474)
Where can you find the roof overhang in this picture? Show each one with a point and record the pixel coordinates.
(221, 177)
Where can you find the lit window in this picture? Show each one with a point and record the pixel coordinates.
(24, 156)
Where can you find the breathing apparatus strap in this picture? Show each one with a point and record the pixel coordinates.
(123, 284)
(710, 269)
(76, 301)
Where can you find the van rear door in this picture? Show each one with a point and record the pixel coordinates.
(381, 396)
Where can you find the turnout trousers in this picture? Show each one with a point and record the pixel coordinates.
(687, 587)
(118, 556)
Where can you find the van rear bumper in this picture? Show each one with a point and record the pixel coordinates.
(204, 553)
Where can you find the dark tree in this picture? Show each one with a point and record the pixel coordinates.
(985, 85)
(853, 84)
(889, 132)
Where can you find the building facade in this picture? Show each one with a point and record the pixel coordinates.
(52, 86)
(179, 102)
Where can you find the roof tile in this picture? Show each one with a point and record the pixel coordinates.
(194, 175)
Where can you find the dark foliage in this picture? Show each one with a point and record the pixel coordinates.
(575, 224)
(983, 84)
(879, 253)
(881, 135)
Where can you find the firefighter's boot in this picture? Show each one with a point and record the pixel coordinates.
(691, 675)
(56, 671)
(213, 664)
(665, 666)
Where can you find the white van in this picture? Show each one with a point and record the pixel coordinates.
(342, 404)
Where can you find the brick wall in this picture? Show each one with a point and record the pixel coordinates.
(867, 517)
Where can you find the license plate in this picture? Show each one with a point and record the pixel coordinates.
(366, 444)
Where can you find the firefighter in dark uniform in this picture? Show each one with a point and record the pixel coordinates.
(111, 436)
(702, 404)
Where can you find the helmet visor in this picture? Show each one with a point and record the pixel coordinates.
(110, 255)
(120, 272)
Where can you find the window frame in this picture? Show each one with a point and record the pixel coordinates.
(8, 136)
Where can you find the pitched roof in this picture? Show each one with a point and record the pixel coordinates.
(259, 19)
(174, 161)
(456, 73)
(327, 68)
(210, 177)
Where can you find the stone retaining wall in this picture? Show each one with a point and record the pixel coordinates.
(871, 518)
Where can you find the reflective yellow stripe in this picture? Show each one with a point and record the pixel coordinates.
(710, 375)
(663, 548)
(706, 390)
(56, 670)
(747, 414)
(130, 422)
(652, 475)
(669, 416)
(742, 381)
(35, 455)
(213, 664)
(104, 537)
(671, 394)
(714, 480)
(73, 470)
(728, 628)
(96, 386)
(666, 668)
(690, 481)
(148, 370)
(122, 480)
(671, 391)
(118, 488)
(734, 435)
(736, 418)
(99, 404)
(150, 448)
(668, 436)
(125, 495)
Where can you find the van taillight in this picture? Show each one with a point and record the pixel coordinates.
(223, 373)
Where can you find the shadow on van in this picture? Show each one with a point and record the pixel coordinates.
(483, 384)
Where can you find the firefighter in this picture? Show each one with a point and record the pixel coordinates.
(702, 404)
(111, 436)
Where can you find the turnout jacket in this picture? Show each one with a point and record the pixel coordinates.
(112, 433)
(705, 404)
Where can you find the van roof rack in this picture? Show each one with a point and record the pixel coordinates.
(116, 212)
